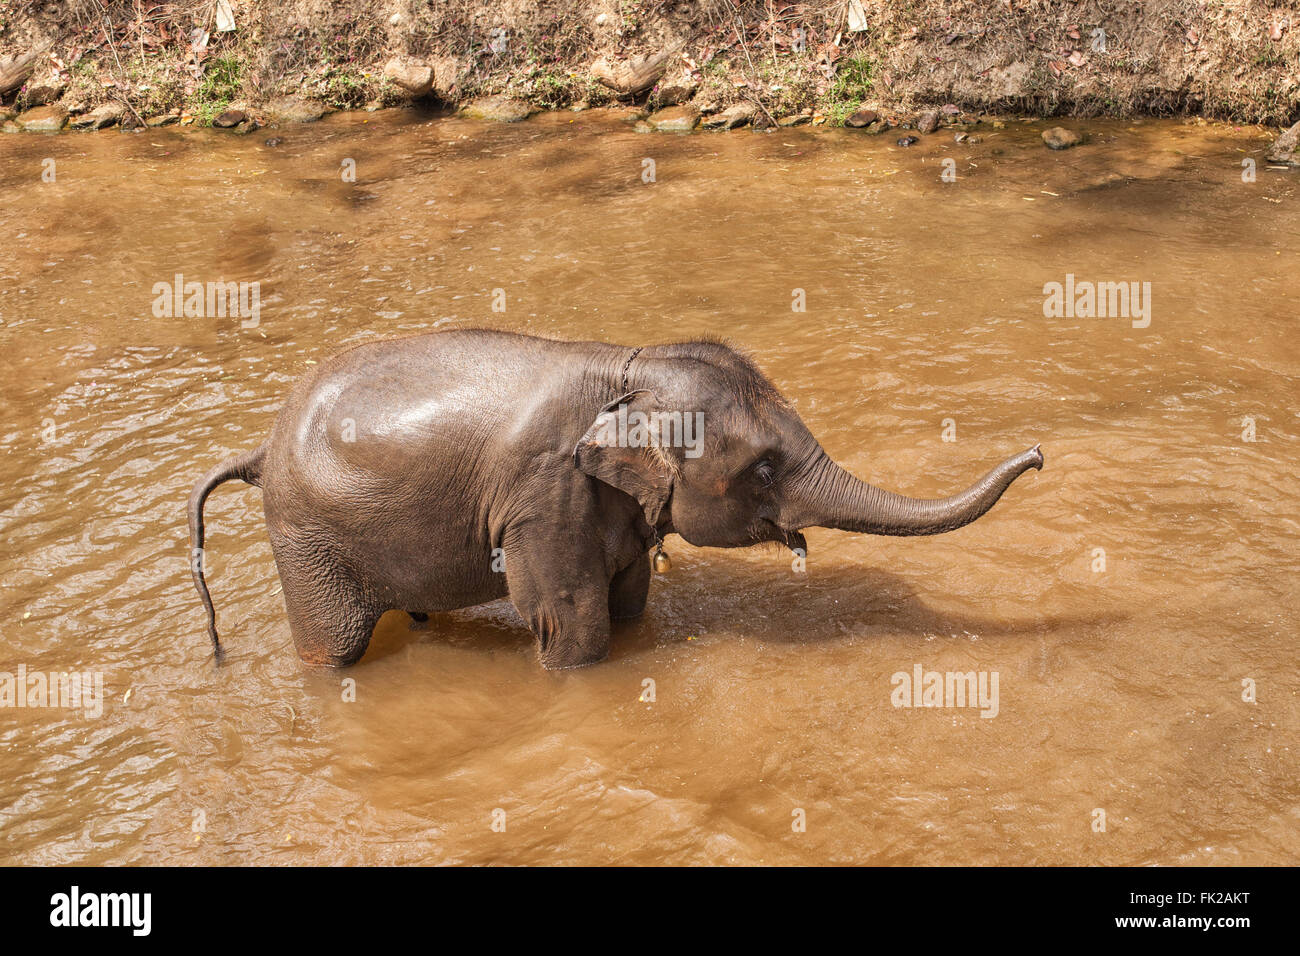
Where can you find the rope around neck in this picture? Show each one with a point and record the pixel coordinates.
(627, 365)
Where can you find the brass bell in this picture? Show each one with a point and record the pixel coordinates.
(663, 563)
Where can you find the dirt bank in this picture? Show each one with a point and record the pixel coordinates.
(1235, 59)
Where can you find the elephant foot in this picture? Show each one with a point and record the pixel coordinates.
(567, 657)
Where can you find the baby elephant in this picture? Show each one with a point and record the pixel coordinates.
(448, 469)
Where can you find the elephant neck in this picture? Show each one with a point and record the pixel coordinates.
(611, 381)
(605, 374)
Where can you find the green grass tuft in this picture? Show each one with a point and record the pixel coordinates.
(852, 85)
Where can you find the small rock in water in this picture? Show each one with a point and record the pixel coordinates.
(862, 118)
(501, 108)
(928, 122)
(293, 109)
(43, 119)
(798, 119)
(99, 117)
(730, 118)
(274, 141)
(1285, 147)
(908, 140)
(678, 119)
(230, 118)
(1060, 138)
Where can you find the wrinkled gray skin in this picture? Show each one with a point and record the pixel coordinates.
(467, 441)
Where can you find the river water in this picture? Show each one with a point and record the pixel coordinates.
(1136, 599)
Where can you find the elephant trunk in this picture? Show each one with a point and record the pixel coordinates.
(849, 504)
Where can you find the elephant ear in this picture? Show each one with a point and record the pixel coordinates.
(628, 457)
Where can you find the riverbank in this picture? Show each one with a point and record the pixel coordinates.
(951, 126)
(234, 61)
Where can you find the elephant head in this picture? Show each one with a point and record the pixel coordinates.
(714, 453)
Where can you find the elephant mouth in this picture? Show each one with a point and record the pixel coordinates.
(771, 531)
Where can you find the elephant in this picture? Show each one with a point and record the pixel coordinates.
(448, 469)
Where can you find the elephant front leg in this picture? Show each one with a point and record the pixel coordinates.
(630, 589)
(563, 596)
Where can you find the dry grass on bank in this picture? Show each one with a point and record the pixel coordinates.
(1232, 59)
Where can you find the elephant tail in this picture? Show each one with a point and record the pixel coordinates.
(246, 467)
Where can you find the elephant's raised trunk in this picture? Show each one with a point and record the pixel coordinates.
(849, 504)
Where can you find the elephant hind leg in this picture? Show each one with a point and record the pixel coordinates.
(330, 616)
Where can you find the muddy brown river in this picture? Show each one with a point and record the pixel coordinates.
(1135, 602)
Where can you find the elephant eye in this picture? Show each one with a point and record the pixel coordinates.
(764, 472)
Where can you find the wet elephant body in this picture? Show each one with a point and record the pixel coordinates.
(450, 469)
